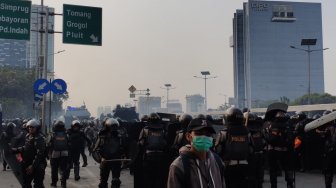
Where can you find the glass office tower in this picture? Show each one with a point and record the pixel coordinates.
(265, 67)
(24, 54)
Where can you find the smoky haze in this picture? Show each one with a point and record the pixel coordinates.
(148, 43)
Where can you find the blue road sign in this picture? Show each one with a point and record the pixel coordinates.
(58, 86)
(41, 86)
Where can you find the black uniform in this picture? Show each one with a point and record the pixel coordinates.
(329, 134)
(111, 145)
(82, 152)
(58, 147)
(76, 143)
(301, 149)
(153, 145)
(180, 139)
(33, 157)
(234, 147)
(7, 137)
(257, 159)
(280, 147)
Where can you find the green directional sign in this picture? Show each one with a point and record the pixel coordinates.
(15, 19)
(82, 25)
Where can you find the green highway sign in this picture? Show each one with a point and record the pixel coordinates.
(82, 25)
(15, 19)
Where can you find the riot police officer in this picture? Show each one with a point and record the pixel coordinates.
(300, 138)
(7, 137)
(21, 137)
(76, 143)
(153, 145)
(234, 146)
(58, 147)
(256, 160)
(110, 146)
(180, 139)
(328, 132)
(280, 141)
(34, 157)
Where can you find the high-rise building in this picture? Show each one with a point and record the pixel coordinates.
(25, 54)
(174, 106)
(147, 105)
(265, 67)
(195, 103)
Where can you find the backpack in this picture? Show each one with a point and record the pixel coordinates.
(60, 141)
(186, 167)
(237, 146)
(277, 136)
(155, 139)
(111, 145)
(257, 141)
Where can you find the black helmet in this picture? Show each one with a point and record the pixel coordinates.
(24, 123)
(281, 116)
(200, 116)
(59, 125)
(10, 126)
(245, 110)
(75, 123)
(112, 123)
(233, 115)
(251, 117)
(326, 112)
(209, 118)
(91, 123)
(33, 123)
(185, 119)
(154, 117)
(144, 118)
(300, 115)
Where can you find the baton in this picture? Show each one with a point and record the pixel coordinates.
(114, 160)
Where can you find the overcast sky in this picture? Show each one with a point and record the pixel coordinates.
(148, 43)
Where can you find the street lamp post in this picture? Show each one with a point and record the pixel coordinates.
(167, 87)
(205, 74)
(308, 43)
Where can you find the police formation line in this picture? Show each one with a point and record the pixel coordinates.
(179, 154)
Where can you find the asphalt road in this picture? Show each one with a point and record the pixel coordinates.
(90, 178)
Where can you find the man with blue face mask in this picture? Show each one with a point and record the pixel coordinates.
(197, 166)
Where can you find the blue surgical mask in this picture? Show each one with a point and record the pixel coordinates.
(202, 143)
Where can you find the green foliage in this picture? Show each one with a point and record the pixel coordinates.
(315, 98)
(285, 100)
(17, 95)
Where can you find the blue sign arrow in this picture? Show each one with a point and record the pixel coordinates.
(41, 86)
(58, 86)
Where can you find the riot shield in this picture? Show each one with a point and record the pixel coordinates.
(14, 161)
(320, 121)
(96, 156)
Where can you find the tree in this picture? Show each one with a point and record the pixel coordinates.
(16, 93)
(315, 98)
(284, 99)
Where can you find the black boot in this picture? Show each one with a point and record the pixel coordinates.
(115, 183)
(76, 171)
